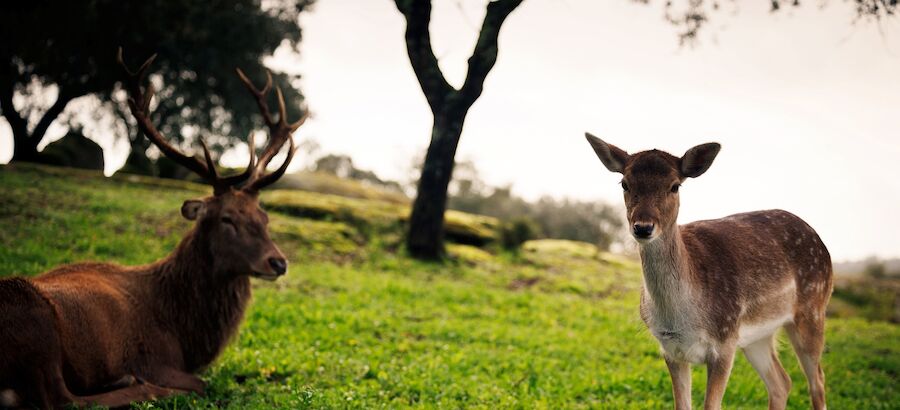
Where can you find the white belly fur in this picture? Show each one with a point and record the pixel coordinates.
(695, 346)
(753, 332)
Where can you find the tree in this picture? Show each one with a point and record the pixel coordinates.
(692, 15)
(449, 106)
(70, 46)
(875, 270)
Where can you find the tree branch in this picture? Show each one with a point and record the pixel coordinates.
(485, 55)
(49, 116)
(421, 55)
(16, 122)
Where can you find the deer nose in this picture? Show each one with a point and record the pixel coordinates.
(642, 230)
(279, 265)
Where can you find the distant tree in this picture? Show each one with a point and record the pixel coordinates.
(875, 270)
(70, 47)
(342, 166)
(517, 231)
(425, 238)
(692, 15)
(339, 165)
(588, 221)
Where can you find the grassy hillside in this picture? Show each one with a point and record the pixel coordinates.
(357, 325)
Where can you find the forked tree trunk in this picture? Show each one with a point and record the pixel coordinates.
(25, 143)
(425, 238)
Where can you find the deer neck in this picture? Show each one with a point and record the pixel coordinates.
(666, 270)
(202, 307)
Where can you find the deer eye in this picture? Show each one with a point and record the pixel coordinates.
(675, 188)
(227, 220)
(624, 186)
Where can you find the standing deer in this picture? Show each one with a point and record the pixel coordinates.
(99, 333)
(711, 287)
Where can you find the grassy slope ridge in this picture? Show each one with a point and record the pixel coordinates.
(353, 325)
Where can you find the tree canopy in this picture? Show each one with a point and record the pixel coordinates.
(691, 16)
(72, 45)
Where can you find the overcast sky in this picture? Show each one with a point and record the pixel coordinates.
(805, 104)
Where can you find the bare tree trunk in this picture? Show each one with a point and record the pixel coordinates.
(426, 227)
(425, 239)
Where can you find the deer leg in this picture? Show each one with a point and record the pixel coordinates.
(764, 358)
(808, 339)
(681, 383)
(177, 379)
(54, 393)
(40, 387)
(718, 369)
(126, 395)
(125, 381)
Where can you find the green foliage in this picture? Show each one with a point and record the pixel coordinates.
(874, 298)
(72, 45)
(553, 327)
(595, 222)
(517, 231)
(875, 270)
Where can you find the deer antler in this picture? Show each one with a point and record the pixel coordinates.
(279, 132)
(139, 103)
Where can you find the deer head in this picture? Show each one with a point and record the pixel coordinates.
(230, 224)
(651, 181)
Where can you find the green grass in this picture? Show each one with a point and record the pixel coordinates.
(326, 183)
(356, 325)
(374, 216)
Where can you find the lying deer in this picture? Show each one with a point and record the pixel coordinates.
(98, 333)
(711, 287)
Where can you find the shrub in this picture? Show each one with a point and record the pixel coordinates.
(517, 231)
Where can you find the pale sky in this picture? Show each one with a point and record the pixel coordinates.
(804, 103)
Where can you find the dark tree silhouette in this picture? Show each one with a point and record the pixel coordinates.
(425, 237)
(72, 45)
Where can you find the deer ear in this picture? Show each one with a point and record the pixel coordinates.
(698, 159)
(193, 209)
(611, 156)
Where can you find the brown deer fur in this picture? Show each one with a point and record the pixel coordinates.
(711, 287)
(99, 333)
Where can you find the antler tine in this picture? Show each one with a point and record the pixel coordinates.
(210, 165)
(268, 86)
(267, 179)
(136, 78)
(251, 167)
(140, 113)
(259, 95)
(294, 126)
(252, 144)
(139, 74)
(279, 132)
(282, 110)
